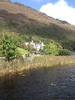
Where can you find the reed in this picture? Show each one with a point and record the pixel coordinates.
(10, 67)
(49, 61)
(40, 61)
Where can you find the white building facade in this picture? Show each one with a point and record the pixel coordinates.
(37, 46)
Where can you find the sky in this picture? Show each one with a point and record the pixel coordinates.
(58, 9)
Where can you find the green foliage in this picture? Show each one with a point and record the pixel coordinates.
(19, 56)
(0, 50)
(51, 49)
(23, 51)
(70, 45)
(55, 49)
(41, 32)
(64, 52)
(9, 47)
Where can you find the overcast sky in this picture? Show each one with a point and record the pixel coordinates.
(58, 9)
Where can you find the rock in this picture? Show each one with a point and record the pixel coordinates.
(5, 1)
(19, 4)
(53, 84)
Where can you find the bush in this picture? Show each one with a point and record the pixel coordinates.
(51, 49)
(64, 52)
(9, 47)
(1, 51)
(19, 56)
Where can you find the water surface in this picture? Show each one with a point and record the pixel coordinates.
(55, 83)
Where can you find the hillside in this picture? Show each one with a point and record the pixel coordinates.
(15, 18)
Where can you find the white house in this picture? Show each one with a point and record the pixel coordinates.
(37, 46)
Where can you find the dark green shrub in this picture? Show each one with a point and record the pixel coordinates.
(9, 47)
(64, 52)
(1, 51)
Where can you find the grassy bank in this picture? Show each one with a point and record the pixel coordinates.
(40, 61)
(23, 51)
(49, 61)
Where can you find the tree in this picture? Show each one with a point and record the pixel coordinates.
(64, 52)
(51, 49)
(9, 47)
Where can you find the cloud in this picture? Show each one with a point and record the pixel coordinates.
(60, 10)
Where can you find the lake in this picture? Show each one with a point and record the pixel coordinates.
(54, 83)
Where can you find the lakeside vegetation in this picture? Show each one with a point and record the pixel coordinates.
(13, 49)
(23, 51)
(39, 61)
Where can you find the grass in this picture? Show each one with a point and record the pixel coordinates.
(23, 51)
(20, 50)
(37, 62)
(49, 61)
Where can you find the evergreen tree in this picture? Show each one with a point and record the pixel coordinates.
(9, 47)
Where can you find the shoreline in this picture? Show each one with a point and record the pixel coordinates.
(37, 62)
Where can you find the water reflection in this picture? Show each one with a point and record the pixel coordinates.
(8, 85)
(56, 83)
(73, 53)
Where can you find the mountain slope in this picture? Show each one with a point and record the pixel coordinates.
(23, 20)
